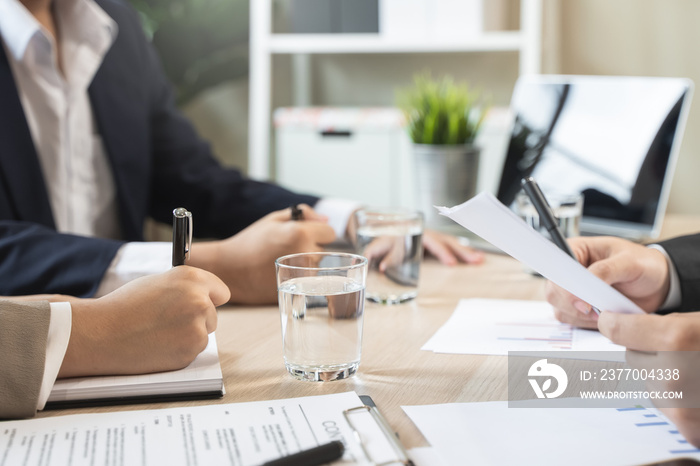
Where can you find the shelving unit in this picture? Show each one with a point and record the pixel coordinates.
(263, 44)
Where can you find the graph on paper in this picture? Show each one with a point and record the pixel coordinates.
(496, 326)
(464, 432)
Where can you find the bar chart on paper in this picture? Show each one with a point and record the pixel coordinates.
(495, 326)
(633, 435)
(650, 419)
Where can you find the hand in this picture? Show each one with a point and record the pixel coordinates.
(152, 324)
(652, 332)
(449, 249)
(638, 272)
(671, 346)
(246, 261)
(384, 252)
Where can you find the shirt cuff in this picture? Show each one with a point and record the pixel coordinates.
(673, 299)
(135, 260)
(56, 345)
(338, 212)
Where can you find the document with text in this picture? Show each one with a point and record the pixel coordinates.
(232, 434)
(487, 217)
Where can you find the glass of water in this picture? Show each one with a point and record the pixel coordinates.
(392, 241)
(321, 300)
(567, 208)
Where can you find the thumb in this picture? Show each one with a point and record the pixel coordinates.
(641, 332)
(614, 270)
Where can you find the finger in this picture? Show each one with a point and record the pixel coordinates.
(619, 269)
(577, 319)
(217, 290)
(311, 214)
(465, 253)
(321, 233)
(439, 250)
(641, 332)
(566, 303)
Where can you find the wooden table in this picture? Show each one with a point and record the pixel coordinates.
(393, 370)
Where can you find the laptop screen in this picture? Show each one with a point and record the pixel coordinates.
(614, 139)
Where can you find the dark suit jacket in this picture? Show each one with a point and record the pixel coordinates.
(684, 251)
(158, 163)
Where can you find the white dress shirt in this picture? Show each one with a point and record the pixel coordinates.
(52, 84)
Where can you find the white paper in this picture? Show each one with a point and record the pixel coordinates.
(496, 326)
(203, 374)
(238, 434)
(487, 217)
(492, 434)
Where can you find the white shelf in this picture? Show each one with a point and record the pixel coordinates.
(264, 44)
(375, 43)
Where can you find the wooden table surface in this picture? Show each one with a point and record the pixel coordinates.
(393, 369)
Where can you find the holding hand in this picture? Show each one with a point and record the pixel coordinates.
(152, 324)
(672, 345)
(246, 261)
(638, 272)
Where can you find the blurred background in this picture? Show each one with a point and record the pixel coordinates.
(205, 49)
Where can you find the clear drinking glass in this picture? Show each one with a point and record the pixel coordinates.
(321, 300)
(392, 241)
(567, 208)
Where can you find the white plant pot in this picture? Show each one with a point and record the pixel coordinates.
(445, 176)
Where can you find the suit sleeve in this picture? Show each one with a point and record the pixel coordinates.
(35, 259)
(23, 333)
(186, 173)
(684, 252)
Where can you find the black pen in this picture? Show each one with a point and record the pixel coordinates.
(544, 211)
(321, 454)
(297, 213)
(182, 235)
(547, 219)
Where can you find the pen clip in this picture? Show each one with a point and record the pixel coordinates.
(190, 228)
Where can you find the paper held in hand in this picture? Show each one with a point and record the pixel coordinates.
(487, 217)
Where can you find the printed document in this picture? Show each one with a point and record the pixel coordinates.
(232, 434)
(491, 433)
(489, 218)
(496, 326)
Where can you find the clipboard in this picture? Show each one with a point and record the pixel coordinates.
(369, 408)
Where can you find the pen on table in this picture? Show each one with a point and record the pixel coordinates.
(547, 219)
(297, 213)
(321, 454)
(182, 235)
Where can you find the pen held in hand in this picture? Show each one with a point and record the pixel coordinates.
(182, 235)
(297, 213)
(547, 218)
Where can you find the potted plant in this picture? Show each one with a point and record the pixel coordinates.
(443, 118)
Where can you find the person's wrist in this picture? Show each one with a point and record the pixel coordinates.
(86, 345)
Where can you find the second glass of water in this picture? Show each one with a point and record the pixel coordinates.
(321, 300)
(392, 241)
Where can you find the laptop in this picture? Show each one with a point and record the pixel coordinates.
(614, 139)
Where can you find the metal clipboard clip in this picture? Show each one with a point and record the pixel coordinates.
(393, 440)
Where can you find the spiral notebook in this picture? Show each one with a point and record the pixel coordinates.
(201, 379)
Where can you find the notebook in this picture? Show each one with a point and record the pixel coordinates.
(614, 139)
(201, 379)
